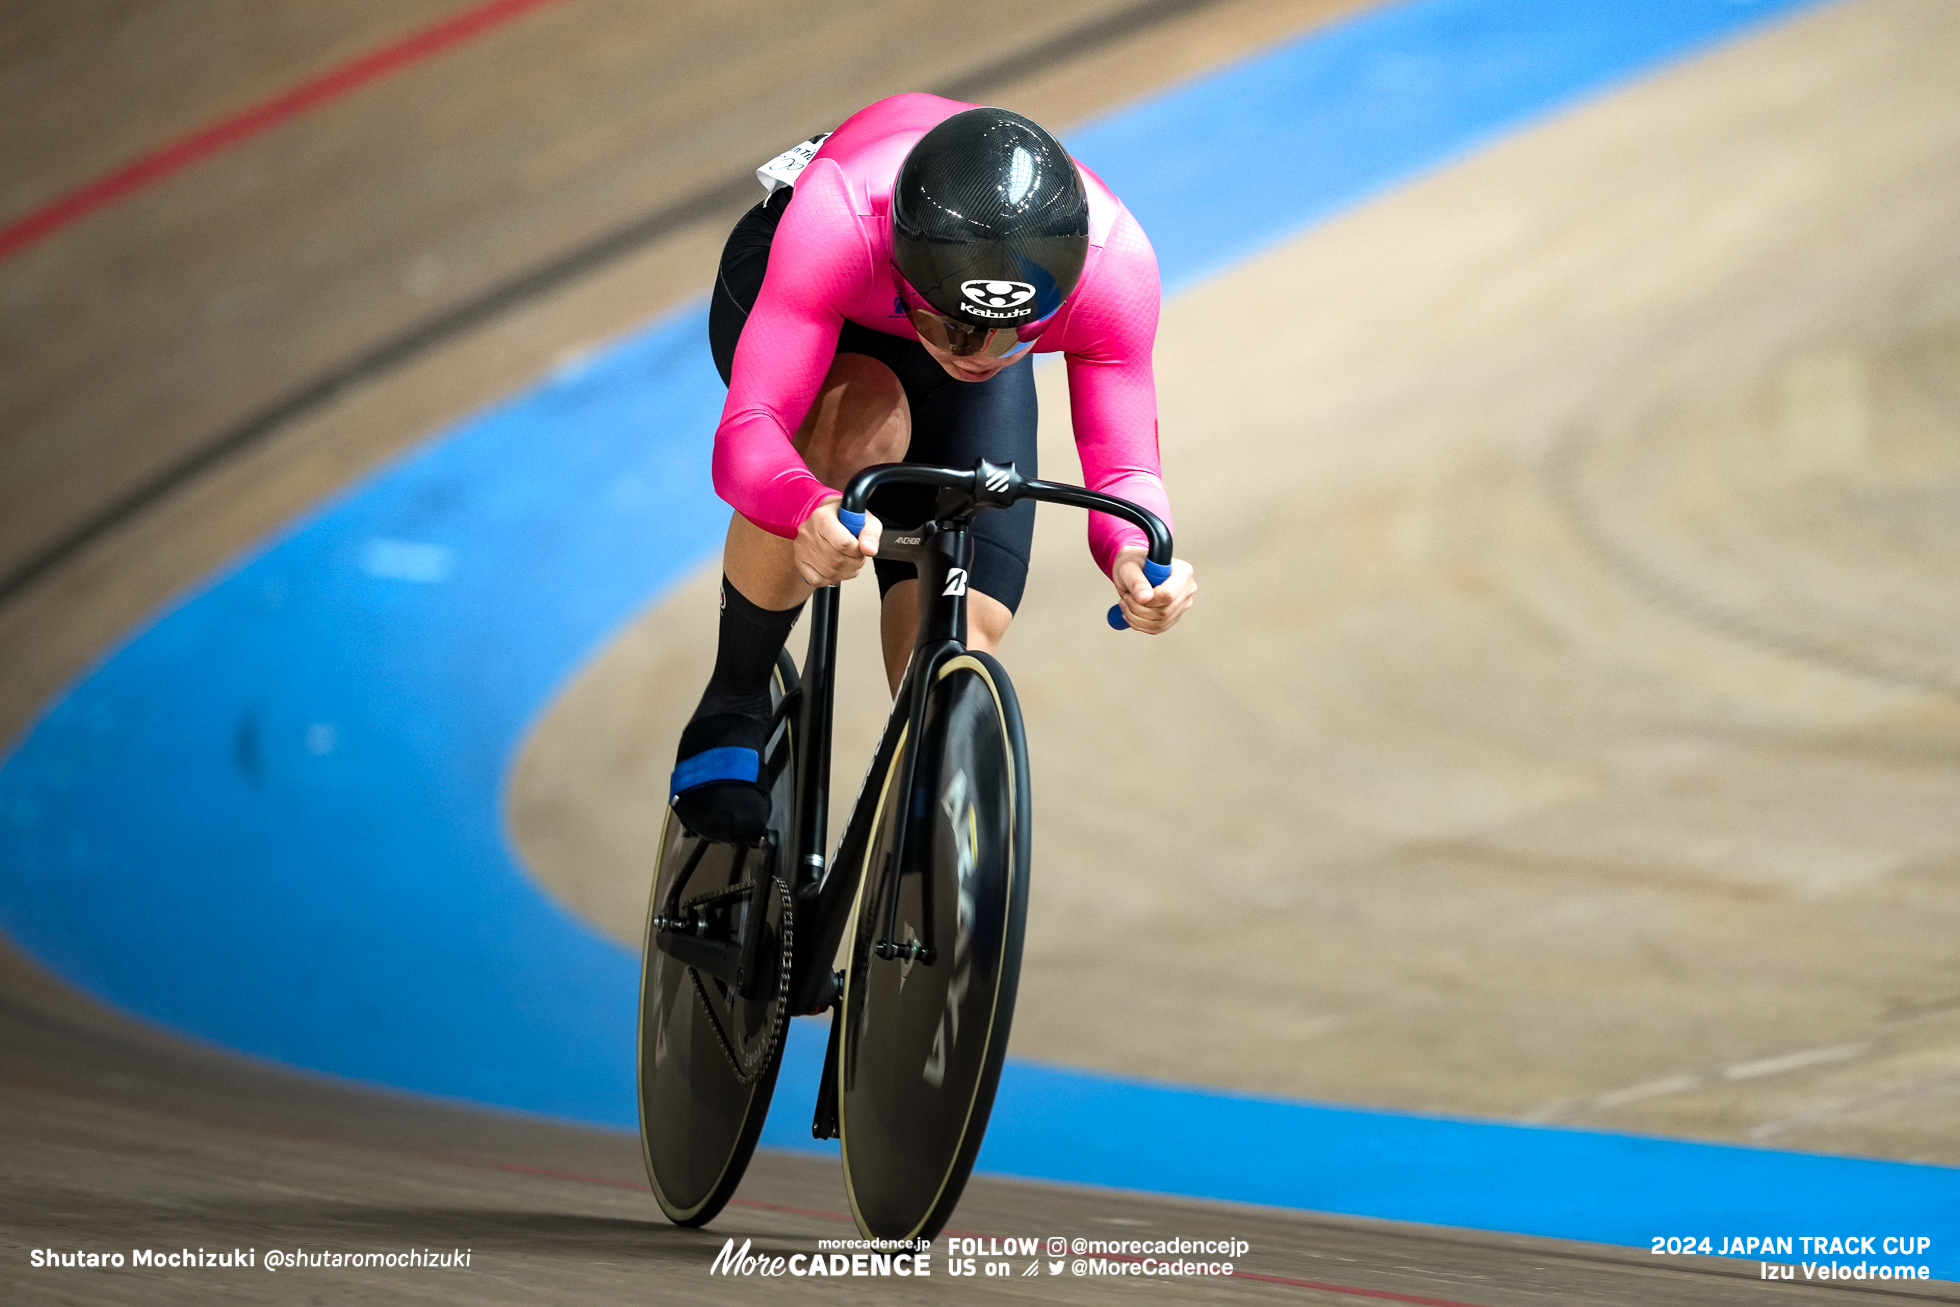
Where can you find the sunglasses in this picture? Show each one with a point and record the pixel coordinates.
(962, 340)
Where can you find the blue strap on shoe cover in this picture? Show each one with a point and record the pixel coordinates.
(731, 763)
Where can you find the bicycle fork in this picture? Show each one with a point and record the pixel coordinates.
(942, 555)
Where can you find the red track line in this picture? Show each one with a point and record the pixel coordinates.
(256, 118)
(546, 1172)
(796, 1211)
(1353, 1291)
(1350, 1290)
(641, 1186)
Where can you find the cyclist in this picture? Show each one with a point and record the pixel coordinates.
(880, 305)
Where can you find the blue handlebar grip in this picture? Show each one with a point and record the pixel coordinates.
(1156, 574)
(854, 523)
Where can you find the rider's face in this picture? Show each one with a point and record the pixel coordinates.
(970, 367)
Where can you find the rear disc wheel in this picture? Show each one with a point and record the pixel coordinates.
(708, 1056)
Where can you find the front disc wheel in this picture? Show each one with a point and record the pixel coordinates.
(930, 981)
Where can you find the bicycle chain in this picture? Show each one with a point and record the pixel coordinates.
(715, 896)
(748, 1075)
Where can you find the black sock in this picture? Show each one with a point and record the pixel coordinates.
(745, 654)
(734, 713)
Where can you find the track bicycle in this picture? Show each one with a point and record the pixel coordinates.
(927, 891)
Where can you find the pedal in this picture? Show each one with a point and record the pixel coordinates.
(824, 1124)
(829, 994)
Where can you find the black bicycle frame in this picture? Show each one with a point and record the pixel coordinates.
(941, 549)
(823, 891)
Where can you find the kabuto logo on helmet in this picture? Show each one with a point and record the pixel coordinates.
(996, 299)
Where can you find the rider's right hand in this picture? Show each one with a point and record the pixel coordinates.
(826, 553)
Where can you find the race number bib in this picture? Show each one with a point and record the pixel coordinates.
(784, 168)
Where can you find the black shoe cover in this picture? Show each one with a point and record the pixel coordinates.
(734, 811)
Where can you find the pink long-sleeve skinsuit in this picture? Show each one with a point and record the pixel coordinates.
(831, 262)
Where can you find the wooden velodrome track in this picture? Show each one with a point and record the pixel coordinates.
(1603, 473)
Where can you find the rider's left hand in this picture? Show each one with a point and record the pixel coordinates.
(1147, 608)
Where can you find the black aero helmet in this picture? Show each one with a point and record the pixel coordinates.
(990, 223)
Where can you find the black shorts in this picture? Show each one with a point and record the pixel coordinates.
(953, 422)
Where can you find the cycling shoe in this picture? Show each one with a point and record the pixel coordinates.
(716, 788)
